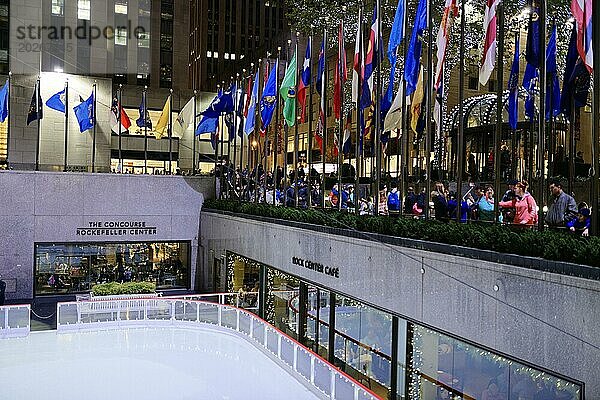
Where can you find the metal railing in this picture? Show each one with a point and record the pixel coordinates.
(317, 372)
(15, 321)
(247, 300)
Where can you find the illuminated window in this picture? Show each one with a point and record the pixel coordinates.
(84, 9)
(121, 37)
(58, 7)
(144, 39)
(121, 7)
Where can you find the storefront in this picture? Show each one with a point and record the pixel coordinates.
(388, 353)
(65, 268)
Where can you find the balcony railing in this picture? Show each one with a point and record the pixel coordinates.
(85, 315)
(15, 321)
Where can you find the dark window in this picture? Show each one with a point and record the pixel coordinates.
(492, 85)
(473, 83)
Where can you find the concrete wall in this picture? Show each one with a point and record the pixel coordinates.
(547, 319)
(49, 207)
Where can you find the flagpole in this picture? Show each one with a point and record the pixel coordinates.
(145, 101)
(499, 105)
(8, 122)
(542, 116)
(340, 134)
(428, 92)
(66, 122)
(39, 123)
(596, 123)
(227, 182)
(251, 134)
(324, 102)
(94, 130)
(242, 121)
(358, 113)
(378, 110)
(170, 131)
(296, 141)
(276, 141)
(236, 102)
(404, 153)
(216, 139)
(119, 95)
(194, 138)
(310, 116)
(461, 117)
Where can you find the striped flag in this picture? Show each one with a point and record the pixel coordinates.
(489, 47)
(321, 89)
(443, 37)
(358, 66)
(582, 11)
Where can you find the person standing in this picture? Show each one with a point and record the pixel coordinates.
(524, 205)
(562, 208)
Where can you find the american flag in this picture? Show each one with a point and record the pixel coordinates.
(582, 11)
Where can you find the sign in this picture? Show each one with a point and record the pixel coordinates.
(317, 267)
(116, 228)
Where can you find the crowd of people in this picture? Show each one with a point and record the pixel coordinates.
(516, 206)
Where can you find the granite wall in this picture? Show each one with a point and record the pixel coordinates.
(549, 320)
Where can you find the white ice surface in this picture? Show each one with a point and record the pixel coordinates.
(143, 363)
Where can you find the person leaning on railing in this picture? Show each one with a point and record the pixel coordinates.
(524, 205)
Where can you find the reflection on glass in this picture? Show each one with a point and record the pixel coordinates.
(445, 368)
(77, 267)
(317, 332)
(282, 302)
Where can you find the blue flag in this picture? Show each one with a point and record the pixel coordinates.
(513, 87)
(85, 114)
(396, 37)
(36, 110)
(221, 104)
(576, 80)
(57, 101)
(321, 69)
(413, 56)
(552, 85)
(532, 52)
(251, 118)
(144, 121)
(269, 99)
(4, 102)
(207, 125)
(529, 81)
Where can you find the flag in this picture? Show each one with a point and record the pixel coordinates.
(488, 61)
(4, 102)
(269, 99)
(207, 125)
(35, 107)
(443, 37)
(117, 109)
(251, 114)
(249, 95)
(341, 74)
(144, 120)
(417, 102)
(240, 110)
(57, 101)
(347, 140)
(222, 104)
(185, 118)
(371, 63)
(576, 79)
(513, 88)
(532, 50)
(163, 121)
(358, 65)
(552, 85)
(582, 11)
(85, 114)
(321, 89)
(393, 119)
(529, 82)
(413, 56)
(396, 37)
(305, 80)
(288, 92)
(437, 109)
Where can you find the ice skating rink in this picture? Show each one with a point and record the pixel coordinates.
(142, 363)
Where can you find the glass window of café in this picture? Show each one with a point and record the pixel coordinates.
(63, 268)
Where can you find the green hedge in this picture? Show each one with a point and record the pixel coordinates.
(114, 288)
(551, 245)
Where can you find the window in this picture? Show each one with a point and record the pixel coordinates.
(121, 7)
(84, 9)
(62, 268)
(144, 39)
(166, 41)
(121, 36)
(492, 85)
(58, 7)
(473, 83)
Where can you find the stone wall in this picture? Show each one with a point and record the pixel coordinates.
(549, 320)
(41, 207)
